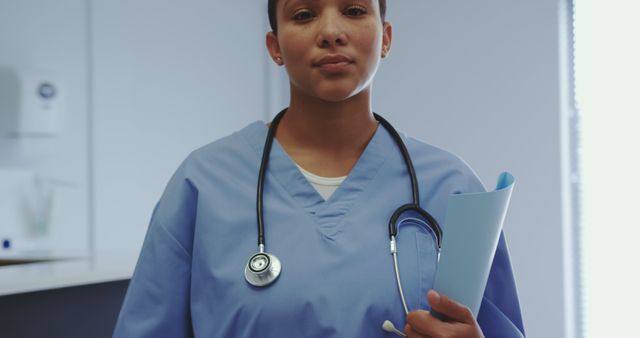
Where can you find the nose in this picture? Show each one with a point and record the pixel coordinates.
(332, 32)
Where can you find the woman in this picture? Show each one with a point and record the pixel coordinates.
(332, 180)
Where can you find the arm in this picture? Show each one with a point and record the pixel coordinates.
(157, 301)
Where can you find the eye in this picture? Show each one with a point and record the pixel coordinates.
(355, 11)
(303, 15)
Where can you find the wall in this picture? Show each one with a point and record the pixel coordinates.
(168, 77)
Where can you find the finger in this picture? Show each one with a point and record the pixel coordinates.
(411, 333)
(424, 324)
(449, 307)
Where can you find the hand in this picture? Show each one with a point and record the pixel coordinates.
(460, 321)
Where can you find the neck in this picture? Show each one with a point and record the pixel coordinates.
(327, 138)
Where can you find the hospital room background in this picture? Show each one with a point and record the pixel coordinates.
(100, 101)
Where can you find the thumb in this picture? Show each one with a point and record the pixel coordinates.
(448, 307)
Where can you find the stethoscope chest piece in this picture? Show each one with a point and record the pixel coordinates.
(262, 269)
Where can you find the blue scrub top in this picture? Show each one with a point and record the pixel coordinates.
(337, 275)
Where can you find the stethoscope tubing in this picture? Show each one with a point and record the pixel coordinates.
(405, 154)
(261, 175)
(263, 268)
(415, 206)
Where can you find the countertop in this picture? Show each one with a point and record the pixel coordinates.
(48, 270)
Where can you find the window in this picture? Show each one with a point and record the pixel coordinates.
(607, 93)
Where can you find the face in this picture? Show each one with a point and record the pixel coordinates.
(330, 48)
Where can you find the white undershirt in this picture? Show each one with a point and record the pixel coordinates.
(325, 186)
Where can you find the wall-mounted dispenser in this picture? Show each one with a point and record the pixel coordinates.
(30, 103)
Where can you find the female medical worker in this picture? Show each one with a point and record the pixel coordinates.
(333, 179)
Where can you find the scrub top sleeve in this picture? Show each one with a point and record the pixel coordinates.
(499, 314)
(157, 303)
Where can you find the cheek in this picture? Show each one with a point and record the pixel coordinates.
(370, 50)
(370, 41)
(293, 46)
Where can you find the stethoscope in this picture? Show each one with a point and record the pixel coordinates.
(264, 268)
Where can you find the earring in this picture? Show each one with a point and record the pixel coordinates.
(278, 59)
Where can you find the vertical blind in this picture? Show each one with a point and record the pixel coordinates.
(607, 89)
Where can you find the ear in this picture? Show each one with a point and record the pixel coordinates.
(387, 37)
(274, 48)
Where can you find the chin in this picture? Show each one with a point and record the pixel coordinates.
(337, 93)
(335, 97)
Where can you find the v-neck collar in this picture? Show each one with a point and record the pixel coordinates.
(329, 214)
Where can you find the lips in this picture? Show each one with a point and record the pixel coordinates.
(333, 58)
(334, 63)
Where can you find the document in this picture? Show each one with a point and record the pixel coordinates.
(472, 229)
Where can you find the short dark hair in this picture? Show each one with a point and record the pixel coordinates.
(271, 8)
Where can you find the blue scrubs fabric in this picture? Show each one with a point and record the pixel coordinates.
(337, 275)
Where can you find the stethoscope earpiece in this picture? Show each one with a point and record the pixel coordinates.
(389, 327)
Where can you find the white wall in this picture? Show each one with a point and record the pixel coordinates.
(481, 78)
(168, 77)
(51, 36)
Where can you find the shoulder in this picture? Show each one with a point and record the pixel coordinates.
(443, 167)
(211, 170)
(230, 154)
(230, 159)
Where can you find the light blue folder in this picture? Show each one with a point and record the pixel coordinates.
(472, 229)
